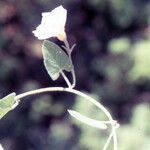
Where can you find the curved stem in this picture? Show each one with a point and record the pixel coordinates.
(70, 90)
(74, 78)
(50, 89)
(66, 79)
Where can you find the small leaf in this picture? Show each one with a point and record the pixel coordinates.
(55, 59)
(88, 121)
(7, 103)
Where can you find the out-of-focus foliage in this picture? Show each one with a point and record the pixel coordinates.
(44, 106)
(136, 135)
(124, 13)
(111, 60)
(118, 46)
(140, 119)
(90, 138)
(141, 59)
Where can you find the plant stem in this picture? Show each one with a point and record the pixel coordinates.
(50, 89)
(74, 78)
(66, 79)
(90, 99)
(69, 51)
(108, 141)
(67, 46)
(115, 136)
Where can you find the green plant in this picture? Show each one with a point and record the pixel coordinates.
(57, 61)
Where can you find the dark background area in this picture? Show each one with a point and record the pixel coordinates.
(112, 62)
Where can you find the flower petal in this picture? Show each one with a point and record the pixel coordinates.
(52, 24)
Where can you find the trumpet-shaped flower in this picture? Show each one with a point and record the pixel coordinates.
(52, 24)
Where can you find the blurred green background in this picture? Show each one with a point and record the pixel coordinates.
(112, 62)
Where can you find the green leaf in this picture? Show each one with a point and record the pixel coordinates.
(55, 59)
(7, 103)
(88, 121)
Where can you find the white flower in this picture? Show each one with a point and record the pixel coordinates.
(52, 24)
(1, 148)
